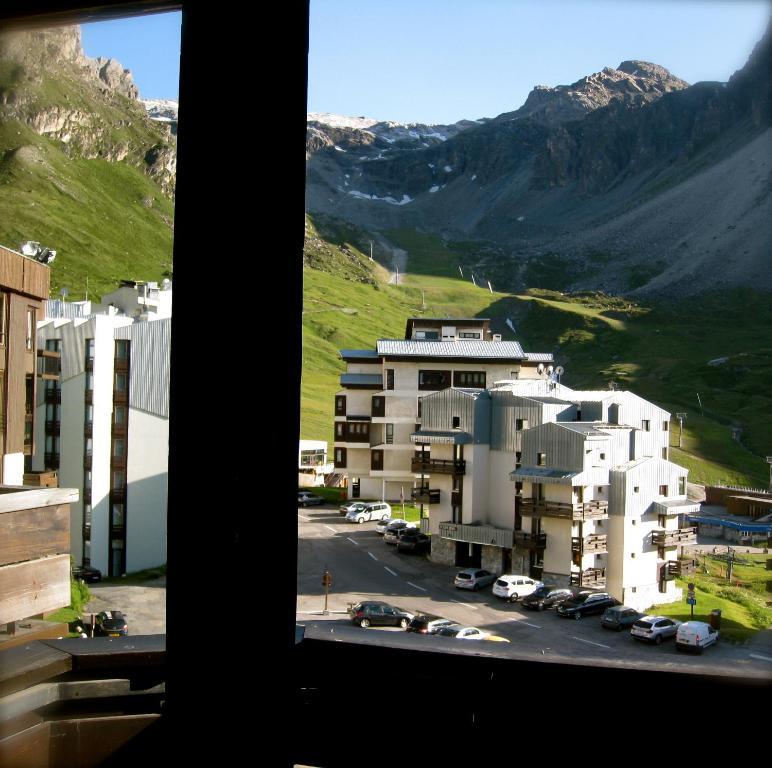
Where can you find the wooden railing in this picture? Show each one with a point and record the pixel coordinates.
(592, 577)
(477, 534)
(663, 538)
(439, 466)
(591, 510)
(426, 495)
(530, 540)
(678, 568)
(595, 543)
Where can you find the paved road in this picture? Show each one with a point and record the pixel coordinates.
(144, 605)
(363, 566)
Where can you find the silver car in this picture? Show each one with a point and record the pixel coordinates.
(377, 510)
(474, 578)
(654, 629)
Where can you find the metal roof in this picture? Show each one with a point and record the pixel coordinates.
(591, 429)
(438, 436)
(472, 348)
(539, 357)
(364, 353)
(550, 400)
(366, 379)
(543, 473)
(683, 506)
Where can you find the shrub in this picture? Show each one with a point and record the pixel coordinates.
(79, 595)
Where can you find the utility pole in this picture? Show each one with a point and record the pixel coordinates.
(769, 461)
(680, 417)
(371, 250)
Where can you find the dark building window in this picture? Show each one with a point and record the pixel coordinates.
(433, 379)
(456, 422)
(340, 405)
(470, 379)
(389, 378)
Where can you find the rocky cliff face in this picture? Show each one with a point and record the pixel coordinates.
(89, 105)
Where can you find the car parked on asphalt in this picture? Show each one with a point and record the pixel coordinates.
(654, 629)
(619, 617)
(546, 596)
(512, 588)
(586, 604)
(394, 530)
(695, 635)
(378, 614)
(412, 540)
(474, 578)
(86, 573)
(352, 506)
(306, 499)
(428, 624)
(469, 633)
(378, 510)
(110, 624)
(382, 525)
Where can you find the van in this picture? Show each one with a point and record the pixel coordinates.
(695, 635)
(376, 510)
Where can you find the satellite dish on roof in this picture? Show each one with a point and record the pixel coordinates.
(559, 370)
(549, 369)
(540, 367)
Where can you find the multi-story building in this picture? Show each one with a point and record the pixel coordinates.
(572, 487)
(104, 426)
(379, 405)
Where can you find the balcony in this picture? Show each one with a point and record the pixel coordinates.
(593, 544)
(591, 577)
(45, 479)
(426, 495)
(531, 541)
(674, 538)
(53, 396)
(52, 427)
(679, 568)
(477, 534)
(591, 510)
(438, 466)
(49, 365)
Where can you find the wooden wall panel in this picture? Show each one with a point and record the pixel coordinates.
(28, 748)
(17, 335)
(34, 587)
(11, 270)
(28, 534)
(37, 279)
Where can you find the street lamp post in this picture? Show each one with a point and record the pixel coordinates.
(680, 417)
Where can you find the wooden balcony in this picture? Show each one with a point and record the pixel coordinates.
(674, 538)
(591, 577)
(426, 495)
(53, 396)
(530, 541)
(52, 427)
(477, 534)
(679, 568)
(593, 544)
(46, 479)
(438, 466)
(591, 510)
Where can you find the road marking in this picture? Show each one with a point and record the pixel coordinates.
(372, 555)
(589, 642)
(330, 529)
(474, 608)
(520, 621)
(759, 656)
(352, 540)
(302, 517)
(393, 573)
(416, 586)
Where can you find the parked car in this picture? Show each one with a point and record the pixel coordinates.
(382, 525)
(352, 506)
(695, 635)
(395, 529)
(86, 573)
(306, 499)
(512, 588)
(619, 617)
(474, 578)
(428, 624)
(469, 633)
(376, 613)
(412, 540)
(654, 629)
(378, 510)
(110, 624)
(585, 604)
(546, 596)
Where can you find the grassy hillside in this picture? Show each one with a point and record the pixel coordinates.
(659, 352)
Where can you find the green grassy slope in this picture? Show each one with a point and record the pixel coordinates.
(659, 352)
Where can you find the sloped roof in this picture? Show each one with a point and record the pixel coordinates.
(472, 348)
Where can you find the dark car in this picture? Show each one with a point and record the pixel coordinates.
(110, 624)
(586, 604)
(395, 529)
(547, 596)
(377, 614)
(412, 540)
(428, 624)
(619, 617)
(86, 573)
(305, 499)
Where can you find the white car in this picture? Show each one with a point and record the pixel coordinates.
(654, 629)
(376, 510)
(512, 587)
(468, 633)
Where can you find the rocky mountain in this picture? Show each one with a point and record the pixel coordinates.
(628, 180)
(163, 111)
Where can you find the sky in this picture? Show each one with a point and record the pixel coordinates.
(439, 61)
(147, 45)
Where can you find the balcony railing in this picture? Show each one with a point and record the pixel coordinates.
(52, 427)
(679, 568)
(591, 510)
(439, 466)
(530, 540)
(426, 495)
(53, 396)
(595, 544)
(674, 538)
(477, 534)
(592, 577)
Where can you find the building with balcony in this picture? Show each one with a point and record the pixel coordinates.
(572, 487)
(103, 425)
(379, 405)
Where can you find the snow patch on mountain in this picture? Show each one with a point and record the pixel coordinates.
(341, 121)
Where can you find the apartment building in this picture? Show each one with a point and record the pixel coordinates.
(572, 487)
(379, 405)
(103, 425)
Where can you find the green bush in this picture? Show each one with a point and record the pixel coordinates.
(79, 595)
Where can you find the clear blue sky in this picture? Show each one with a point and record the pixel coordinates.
(147, 45)
(438, 61)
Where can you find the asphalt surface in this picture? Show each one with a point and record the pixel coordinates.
(144, 605)
(364, 567)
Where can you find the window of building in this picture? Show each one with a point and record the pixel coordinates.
(89, 446)
(340, 458)
(89, 349)
(340, 430)
(89, 413)
(665, 426)
(121, 349)
(119, 479)
(389, 378)
(419, 407)
(118, 515)
(521, 424)
(634, 522)
(470, 335)
(632, 554)
(541, 459)
(602, 456)
(663, 490)
(518, 457)
(456, 422)
(664, 452)
(682, 486)
(389, 434)
(87, 480)
(119, 448)
(433, 379)
(646, 425)
(119, 414)
(53, 345)
(89, 381)
(31, 327)
(637, 489)
(469, 379)
(340, 405)
(121, 381)
(87, 515)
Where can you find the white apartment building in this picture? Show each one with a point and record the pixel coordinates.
(140, 300)
(379, 406)
(572, 487)
(313, 464)
(103, 425)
